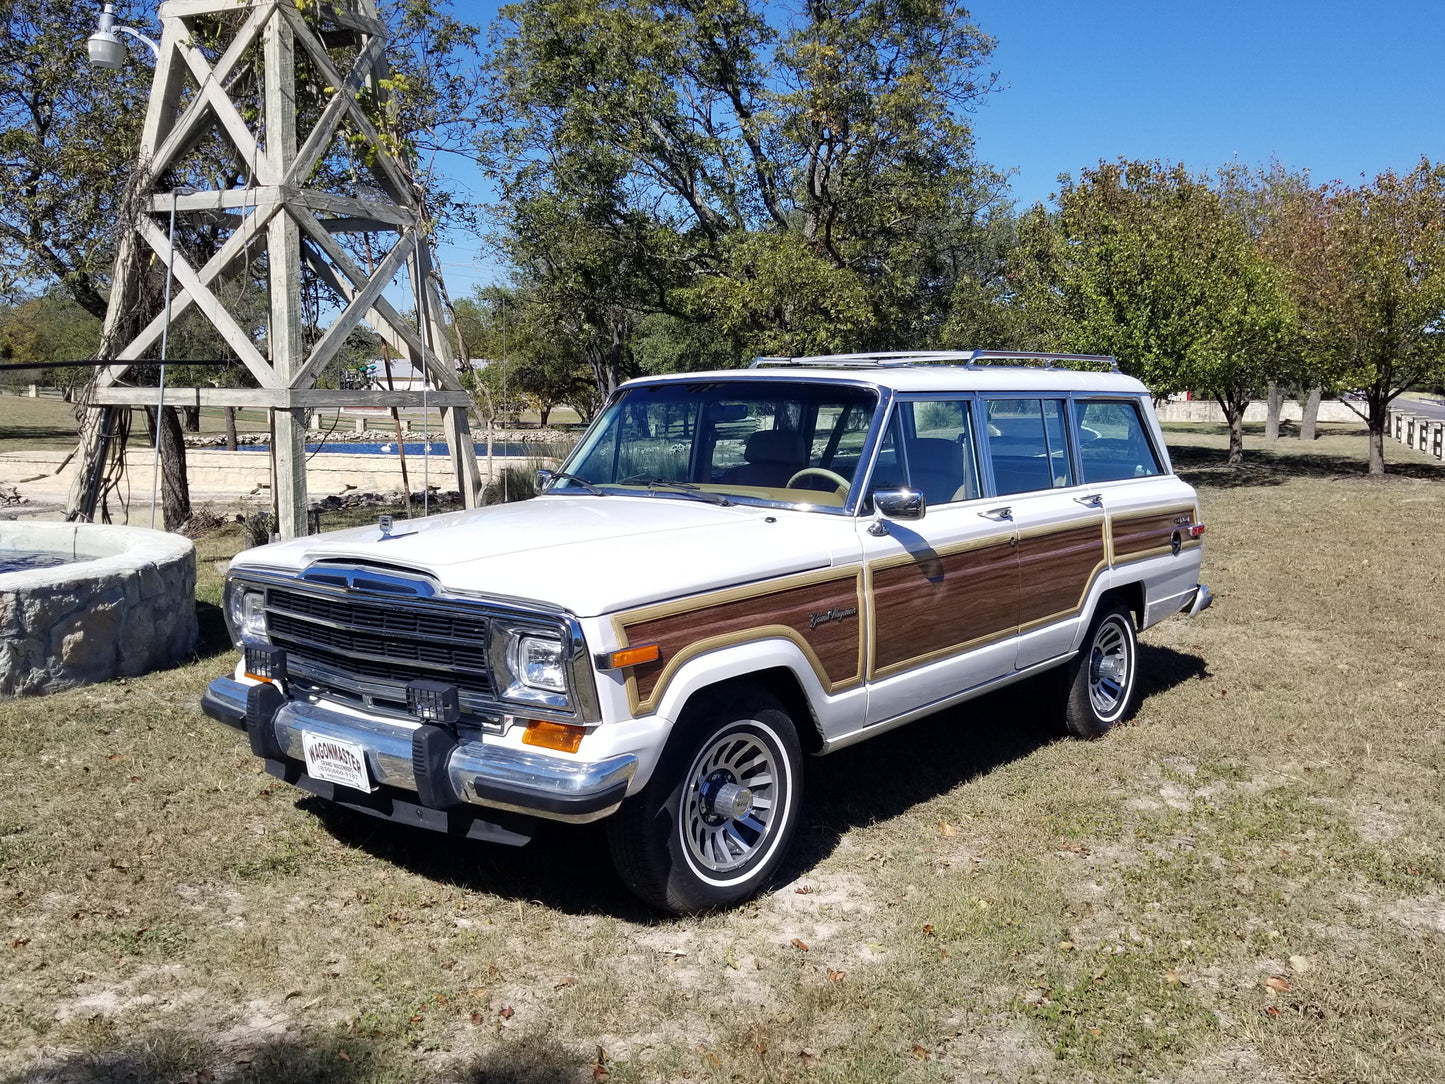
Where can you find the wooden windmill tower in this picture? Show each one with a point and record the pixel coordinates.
(229, 75)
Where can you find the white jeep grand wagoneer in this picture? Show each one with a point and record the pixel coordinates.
(731, 569)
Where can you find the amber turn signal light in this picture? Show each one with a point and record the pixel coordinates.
(564, 737)
(628, 656)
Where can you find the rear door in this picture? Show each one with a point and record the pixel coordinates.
(943, 590)
(1060, 527)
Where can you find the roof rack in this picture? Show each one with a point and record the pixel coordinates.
(971, 359)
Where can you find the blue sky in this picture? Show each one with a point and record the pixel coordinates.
(1340, 89)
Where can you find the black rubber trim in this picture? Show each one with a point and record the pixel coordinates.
(221, 711)
(552, 803)
(511, 829)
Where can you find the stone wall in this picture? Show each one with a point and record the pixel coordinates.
(126, 607)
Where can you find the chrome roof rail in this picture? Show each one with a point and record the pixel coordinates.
(968, 358)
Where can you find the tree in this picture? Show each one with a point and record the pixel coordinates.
(1366, 269)
(1149, 263)
(791, 182)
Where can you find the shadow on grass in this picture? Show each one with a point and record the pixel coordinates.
(1205, 468)
(567, 867)
(334, 1056)
(212, 639)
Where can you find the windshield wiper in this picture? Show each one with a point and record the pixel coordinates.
(687, 489)
(582, 482)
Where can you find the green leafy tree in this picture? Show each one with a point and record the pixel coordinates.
(792, 182)
(1366, 269)
(1149, 263)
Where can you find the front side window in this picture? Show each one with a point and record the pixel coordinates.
(763, 440)
(1026, 445)
(1112, 441)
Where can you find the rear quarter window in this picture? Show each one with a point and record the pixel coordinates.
(1113, 442)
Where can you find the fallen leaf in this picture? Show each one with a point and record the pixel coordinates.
(599, 1072)
(928, 929)
(809, 1056)
(836, 976)
(799, 944)
(943, 952)
(507, 1013)
(1096, 1032)
(921, 1052)
(1299, 964)
(568, 981)
(803, 890)
(20, 942)
(477, 1019)
(1066, 946)
(1277, 983)
(603, 1056)
(1272, 1011)
(343, 1055)
(947, 829)
(1172, 978)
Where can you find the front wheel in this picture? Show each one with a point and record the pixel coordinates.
(715, 821)
(1103, 678)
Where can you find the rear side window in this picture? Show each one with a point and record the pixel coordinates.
(1113, 443)
(1026, 445)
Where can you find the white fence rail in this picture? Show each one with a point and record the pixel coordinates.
(1424, 433)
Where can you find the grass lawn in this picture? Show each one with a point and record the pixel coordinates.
(1247, 883)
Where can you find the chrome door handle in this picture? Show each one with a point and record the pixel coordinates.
(1091, 500)
(1006, 512)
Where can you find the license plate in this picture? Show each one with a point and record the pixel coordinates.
(336, 761)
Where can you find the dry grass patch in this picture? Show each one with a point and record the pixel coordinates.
(1247, 883)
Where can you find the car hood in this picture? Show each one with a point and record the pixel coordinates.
(585, 554)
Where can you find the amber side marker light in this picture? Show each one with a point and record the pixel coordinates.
(628, 656)
(564, 737)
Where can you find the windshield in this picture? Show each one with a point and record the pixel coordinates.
(754, 440)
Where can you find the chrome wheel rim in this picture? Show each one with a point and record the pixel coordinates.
(1111, 669)
(736, 793)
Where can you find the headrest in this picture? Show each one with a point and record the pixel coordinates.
(774, 446)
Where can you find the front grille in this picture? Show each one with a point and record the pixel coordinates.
(368, 651)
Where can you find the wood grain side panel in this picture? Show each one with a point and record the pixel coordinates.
(1055, 570)
(1144, 535)
(931, 605)
(824, 617)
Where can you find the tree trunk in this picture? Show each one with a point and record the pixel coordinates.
(175, 493)
(543, 415)
(1379, 422)
(1273, 404)
(193, 419)
(1233, 408)
(230, 429)
(1310, 413)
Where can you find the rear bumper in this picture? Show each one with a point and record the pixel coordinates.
(1199, 601)
(473, 772)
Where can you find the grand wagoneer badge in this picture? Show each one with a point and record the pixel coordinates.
(835, 614)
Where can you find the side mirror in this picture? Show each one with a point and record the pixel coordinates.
(543, 479)
(896, 504)
(900, 503)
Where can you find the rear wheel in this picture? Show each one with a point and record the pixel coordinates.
(714, 823)
(1103, 678)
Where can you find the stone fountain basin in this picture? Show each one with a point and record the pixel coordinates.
(126, 605)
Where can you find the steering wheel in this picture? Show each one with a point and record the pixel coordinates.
(840, 484)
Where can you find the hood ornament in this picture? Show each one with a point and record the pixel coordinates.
(385, 524)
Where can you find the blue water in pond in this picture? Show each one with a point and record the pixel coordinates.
(22, 560)
(510, 449)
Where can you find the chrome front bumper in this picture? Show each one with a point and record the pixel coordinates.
(480, 774)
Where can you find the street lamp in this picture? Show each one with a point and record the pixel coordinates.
(106, 48)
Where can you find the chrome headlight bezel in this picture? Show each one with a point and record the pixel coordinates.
(244, 605)
(531, 665)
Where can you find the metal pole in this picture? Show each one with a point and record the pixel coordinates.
(165, 337)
